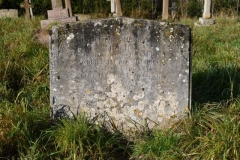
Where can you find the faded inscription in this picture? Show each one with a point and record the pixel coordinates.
(131, 72)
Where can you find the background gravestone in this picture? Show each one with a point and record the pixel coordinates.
(121, 72)
(58, 14)
(12, 13)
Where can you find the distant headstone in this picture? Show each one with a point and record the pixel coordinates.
(59, 14)
(11, 13)
(56, 4)
(165, 9)
(121, 72)
(173, 10)
(69, 7)
(206, 19)
(116, 8)
(28, 7)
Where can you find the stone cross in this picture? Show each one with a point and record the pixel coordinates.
(165, 9)
(56, 4)
(28, 8)
(206, 19)
(206, 11)
(113, 6)
(69, 7)
(174, 10)
(116, 8)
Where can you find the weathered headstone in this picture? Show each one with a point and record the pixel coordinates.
(59, 14)
(69, 7)
(173, 9)
(12, 13)
(27, 6)
(165, 9)
(121, 72)
(116, 8)
(31, 11)
(206, 19)
(56, 4)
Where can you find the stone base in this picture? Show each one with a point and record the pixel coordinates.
(58, 13)
(45, 23)
(204, 22)
(83, 17)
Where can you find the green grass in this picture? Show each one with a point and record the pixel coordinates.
(27, 132)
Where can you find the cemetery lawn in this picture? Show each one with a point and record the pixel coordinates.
(212, 130)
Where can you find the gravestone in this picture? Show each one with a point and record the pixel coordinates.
(28, 8)
(121, 72)
(165, 9)
(57, 4)
(59, 14)
(116, 8)
(206, 19)
(173, 10)
(69, 7)
(11, 13)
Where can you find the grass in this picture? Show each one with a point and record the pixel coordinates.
(26, 131)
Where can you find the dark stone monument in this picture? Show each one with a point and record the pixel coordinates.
(121, 72)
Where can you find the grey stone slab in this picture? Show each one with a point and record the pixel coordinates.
(121, 72)
(204, 21)
(56, 4)
(13, 13)
(58, 13)
(45, 23)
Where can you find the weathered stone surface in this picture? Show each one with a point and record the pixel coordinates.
(8, 13)
(121, 72)
(57, 13)
(45, 23)
(206, 22)
(83, 17)
(56, 4)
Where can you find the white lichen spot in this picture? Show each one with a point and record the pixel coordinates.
(141, 105)
(134, 118)
(171, 29)
(70, 37)
(184, 80)
(138, 96)
(111, 94)
(171, 38)
(157, 49)
(162, 104)
(179, 75)
(98, 23)
(54, 89)
(110, 79)
(182, 45)
(110, 103)
(187, 71)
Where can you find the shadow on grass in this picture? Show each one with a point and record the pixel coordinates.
(216, 84)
